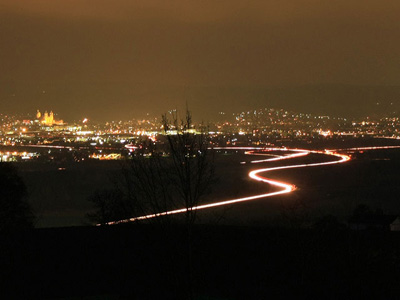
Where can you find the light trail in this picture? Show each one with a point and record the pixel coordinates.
(368, 148)
(285, 187)
(278, 157)
(46, 146)
(250, 151)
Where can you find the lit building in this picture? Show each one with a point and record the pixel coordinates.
(48, 119)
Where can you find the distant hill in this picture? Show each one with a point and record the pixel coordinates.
(335, 100)
(123, 100)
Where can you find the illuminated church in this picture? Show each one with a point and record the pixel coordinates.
(48, 119)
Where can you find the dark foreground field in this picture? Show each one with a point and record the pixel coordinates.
(228, 262)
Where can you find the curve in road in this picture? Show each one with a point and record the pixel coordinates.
(284, 187)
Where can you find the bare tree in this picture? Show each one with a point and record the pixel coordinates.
(142, 188)
(193, 170)
(193, 173)
(161, 176)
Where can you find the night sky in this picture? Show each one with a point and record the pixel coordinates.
(120, 59)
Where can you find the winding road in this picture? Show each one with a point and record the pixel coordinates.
(283, 187)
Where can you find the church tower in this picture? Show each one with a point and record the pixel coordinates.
(51, 118)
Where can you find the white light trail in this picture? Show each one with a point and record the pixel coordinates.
(369, 148)
(278, 157)
(46, 146)
(285, 187)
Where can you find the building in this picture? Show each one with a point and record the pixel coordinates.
(48, 119)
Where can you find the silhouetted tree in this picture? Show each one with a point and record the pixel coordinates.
(193, 170)
(193, 173)
(143, 187)
(110, 204)
(161, 177)
(15, 212)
